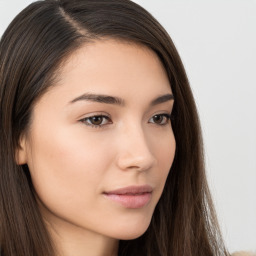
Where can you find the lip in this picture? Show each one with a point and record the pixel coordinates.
(132, 197)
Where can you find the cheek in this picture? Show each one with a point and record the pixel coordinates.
(67, 168)
(164, 148)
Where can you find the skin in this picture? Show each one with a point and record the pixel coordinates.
(72, 162)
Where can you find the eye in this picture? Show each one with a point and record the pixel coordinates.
(96, 121)
(160, 119)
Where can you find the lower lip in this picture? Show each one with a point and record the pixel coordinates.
(130, 201)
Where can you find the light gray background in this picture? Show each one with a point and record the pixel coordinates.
(217, 42)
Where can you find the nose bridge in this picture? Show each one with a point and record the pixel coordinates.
(135, 151)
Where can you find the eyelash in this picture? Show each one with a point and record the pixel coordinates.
(88, 120)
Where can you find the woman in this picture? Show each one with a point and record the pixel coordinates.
(101, 149)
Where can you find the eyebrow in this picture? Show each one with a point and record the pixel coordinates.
(162, 99)
(107, 99)
(101, 98)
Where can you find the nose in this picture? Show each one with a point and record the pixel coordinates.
(134, 151)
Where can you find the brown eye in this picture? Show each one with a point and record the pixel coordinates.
(160, 119)
(96, 121)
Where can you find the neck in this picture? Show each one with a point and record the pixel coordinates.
(88, 245)
(71, 240)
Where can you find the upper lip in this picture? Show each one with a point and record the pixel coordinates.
(131, 190)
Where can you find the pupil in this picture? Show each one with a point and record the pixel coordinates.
(158, 119)
(96, 120)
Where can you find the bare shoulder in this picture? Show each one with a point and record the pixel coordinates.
(243, 253)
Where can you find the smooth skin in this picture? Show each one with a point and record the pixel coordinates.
(78, 148)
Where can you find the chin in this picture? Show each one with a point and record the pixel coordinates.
(132, 231)
(131, 235)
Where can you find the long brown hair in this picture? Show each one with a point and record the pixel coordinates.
(32, 50)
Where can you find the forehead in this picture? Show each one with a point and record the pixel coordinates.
(114, 68)
(110, 50)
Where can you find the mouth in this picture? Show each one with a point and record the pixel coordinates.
(132, 197)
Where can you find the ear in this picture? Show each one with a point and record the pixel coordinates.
(21, 152)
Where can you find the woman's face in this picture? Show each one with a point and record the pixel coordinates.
(100, 143)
